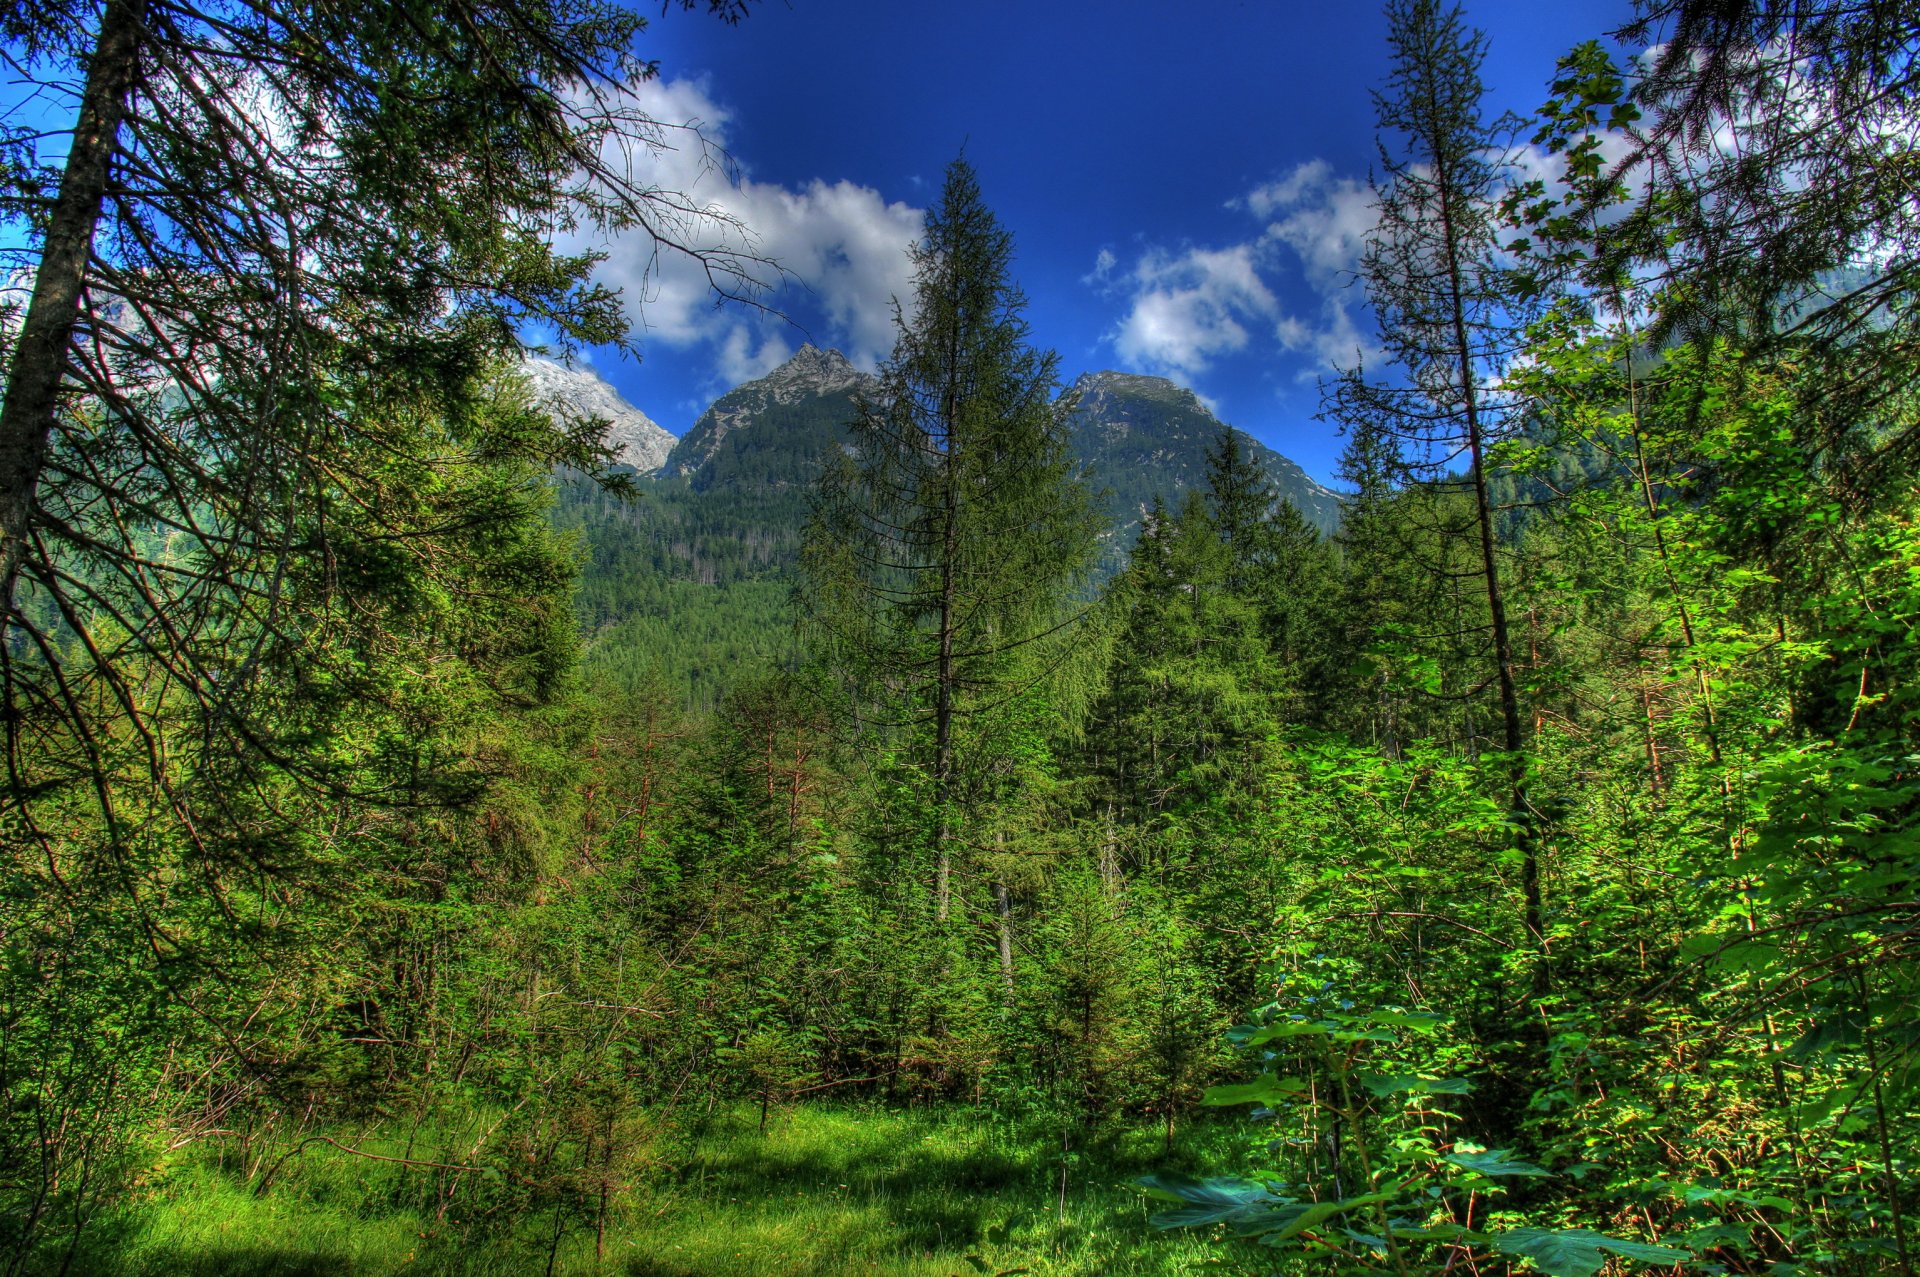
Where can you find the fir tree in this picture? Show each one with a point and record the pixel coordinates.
(1447, 318)
(950, 539)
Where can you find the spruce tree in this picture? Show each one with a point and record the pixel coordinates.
(1240, 498)
(1275, 562)
(950, 539)
(1447, 319)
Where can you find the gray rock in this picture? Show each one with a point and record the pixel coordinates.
(580, 392)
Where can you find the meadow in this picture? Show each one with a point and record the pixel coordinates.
(823, 1191)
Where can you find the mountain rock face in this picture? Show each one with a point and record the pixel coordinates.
(785, 418)
(580, 392)
(1144, 437)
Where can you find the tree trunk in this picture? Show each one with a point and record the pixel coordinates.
(944, 676)
(1003, 910)
(1513, 735)
(46, 333)
(1112, 881)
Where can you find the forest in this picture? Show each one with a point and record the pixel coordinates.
(1523, 878)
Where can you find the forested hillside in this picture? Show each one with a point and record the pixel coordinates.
(950, 819)
(686, 582)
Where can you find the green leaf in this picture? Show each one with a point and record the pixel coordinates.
(1421, 1021)
(1709, 1236)
(1312, 1215)
(1496, 1161)
(1265, 1089)
(1579, 1252)
(1208, 1201)
(1363, 1035)
(1287, 1029)
(1842, 1030)
(1385, 1084)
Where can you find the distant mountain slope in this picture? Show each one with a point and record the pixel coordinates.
(580, 392)
(690, 579)
(1144, 437)
(772, 431)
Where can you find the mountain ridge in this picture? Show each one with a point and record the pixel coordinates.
(809, 372)
(1143, 435)
(690, 578)
(578, 392)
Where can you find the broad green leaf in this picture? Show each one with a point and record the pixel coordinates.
(1246, 1208)
(1385, 1084)
(1316, 1213)
(1287, 1029)
(1208, 1201)
(1580, 1252)
(1363, 1035)
(1265, 1089)
(1709, 1236)
(1841, 1030)
(1496, 1161)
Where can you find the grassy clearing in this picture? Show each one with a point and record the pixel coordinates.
(824, 1192)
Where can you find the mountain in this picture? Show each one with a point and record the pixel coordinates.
(771, 432)
(1143, 437)
(1140, 437)
(690, 581)
(580, 392)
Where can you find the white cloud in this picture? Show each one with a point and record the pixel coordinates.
(1191, 307)
(740, 360)
(1331, 339)
(1187, 308)
(1320, 221)
(1323, 218)
(842, 243)
(1102, 270)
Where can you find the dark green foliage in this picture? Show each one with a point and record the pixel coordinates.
(949, 540)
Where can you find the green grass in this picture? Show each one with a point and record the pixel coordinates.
(825, 1191)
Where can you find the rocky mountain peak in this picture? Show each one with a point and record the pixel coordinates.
(810, 374)
(1148, 436)
(813, 370)
(579, 392)
(1093, 388)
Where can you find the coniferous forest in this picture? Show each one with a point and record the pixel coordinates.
(431, 846)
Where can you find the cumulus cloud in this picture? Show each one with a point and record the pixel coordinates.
(1190, 307)
(741, 359)
(836, 247)
(1289, 283)
(1322, 217)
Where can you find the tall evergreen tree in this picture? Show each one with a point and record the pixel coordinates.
(1240, 498)
(280, 240)
(1446, 317)
(1275, 561)
(950, 540)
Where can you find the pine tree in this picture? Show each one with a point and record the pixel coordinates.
(280, 242)
(1296, 597)
(1240, 498)
(1190, 690)
(950, 539)
(1275, 562)
(1447, 318)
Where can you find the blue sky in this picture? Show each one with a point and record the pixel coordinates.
(1186, 185)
